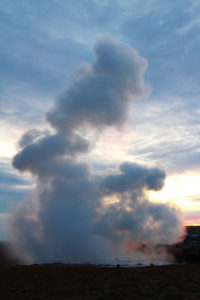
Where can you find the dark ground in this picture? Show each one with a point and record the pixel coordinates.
(59, 282)
(87, 282)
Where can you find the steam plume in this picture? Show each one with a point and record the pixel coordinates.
(68, 216)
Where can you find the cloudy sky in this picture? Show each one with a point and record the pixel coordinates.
(42, 45)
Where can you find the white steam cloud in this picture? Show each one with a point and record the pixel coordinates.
(69, 215)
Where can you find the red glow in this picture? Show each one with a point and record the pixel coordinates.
(122, 231)
(182, 236)
(131, 246)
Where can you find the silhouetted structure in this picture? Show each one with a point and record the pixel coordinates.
(188, 250)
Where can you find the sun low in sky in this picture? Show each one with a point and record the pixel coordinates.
(44, 43)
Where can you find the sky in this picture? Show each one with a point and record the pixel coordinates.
(42, 45)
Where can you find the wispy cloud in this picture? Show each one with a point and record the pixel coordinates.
(13, 187)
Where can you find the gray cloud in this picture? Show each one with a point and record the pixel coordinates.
(29, 137)
(101, 93)
(140, 221)
(35, 157)
(99, 96)
(134, 176)
(67, 218)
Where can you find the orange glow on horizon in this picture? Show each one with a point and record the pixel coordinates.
(192, 221)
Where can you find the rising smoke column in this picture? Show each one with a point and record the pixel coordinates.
(67, 216)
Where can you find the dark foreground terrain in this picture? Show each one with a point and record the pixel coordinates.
(88, 282)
